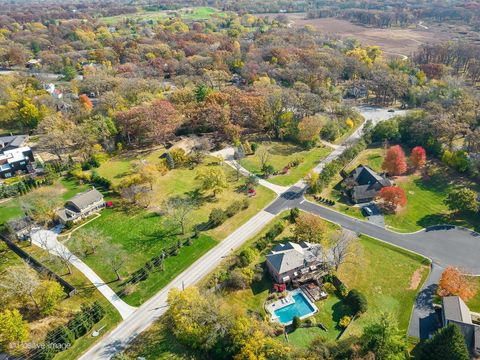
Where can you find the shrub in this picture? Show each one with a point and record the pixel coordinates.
(240, 278)
(294, 214)
(344, 321)
(101, 181)
(342, 290)
(357, 301)
(246, 257)
(234, 208)
(254, 147)
(179, 156)
(296, 322)
(217, 217)
(245, 204)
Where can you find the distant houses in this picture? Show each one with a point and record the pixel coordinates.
(81, 205)
(15, 158)
(290, 261)
(455, 311)
(363, 184)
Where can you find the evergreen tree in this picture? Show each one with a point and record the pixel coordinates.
(170, 161)
(447, 344)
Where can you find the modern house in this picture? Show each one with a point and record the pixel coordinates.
(364, 184)
(455, 311)
(15, 160)
(289, 261)
(81, 206)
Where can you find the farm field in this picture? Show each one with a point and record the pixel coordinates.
(395, 42)
(280, 155)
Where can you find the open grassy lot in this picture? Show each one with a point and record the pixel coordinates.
(142, 237)
(280, 155)
(142, 233)
(195, 13)
(86, 294)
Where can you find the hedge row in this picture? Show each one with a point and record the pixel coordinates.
(63, 337)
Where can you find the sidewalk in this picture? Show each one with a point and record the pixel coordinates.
(47, 239)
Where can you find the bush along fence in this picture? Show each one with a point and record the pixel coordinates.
(21, 187)
(63, 337)
(69, 289)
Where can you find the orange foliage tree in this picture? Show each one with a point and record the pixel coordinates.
(390, 198)
(418, 157)
(394, 162)
(453, 282)
(86, 102)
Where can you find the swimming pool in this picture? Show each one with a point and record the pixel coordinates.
(301, 308)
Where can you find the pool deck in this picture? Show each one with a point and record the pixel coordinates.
(289, 300)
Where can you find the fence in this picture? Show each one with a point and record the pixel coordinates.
(39, 267)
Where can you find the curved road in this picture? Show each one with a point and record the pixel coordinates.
(458, 247)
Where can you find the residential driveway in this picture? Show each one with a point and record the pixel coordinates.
(424, 320)
(47, 239)
(377, 217)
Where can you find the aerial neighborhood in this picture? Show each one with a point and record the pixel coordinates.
(239, 180)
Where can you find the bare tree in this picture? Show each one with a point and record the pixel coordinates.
(19, 283)
(116, 259)
(264, 155)
(86, 241)
(343, 247)
(178, 212)
(238, 169)
(65, 256)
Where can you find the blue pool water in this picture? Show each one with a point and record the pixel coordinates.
(300, 308)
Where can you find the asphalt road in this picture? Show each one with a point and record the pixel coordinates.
(458, 247)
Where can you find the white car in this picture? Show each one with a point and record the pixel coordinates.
(367, 211)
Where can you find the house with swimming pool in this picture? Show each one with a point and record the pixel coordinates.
(289, 261)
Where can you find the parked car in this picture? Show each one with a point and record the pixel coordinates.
(367, 211)
(391, 110)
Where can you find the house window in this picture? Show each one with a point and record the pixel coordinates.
(7, 175)
(22, 163)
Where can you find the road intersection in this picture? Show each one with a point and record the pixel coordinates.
(455, 246)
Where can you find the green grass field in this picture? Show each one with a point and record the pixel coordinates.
(142, 237)
(194, 13)
(281, 154)
(474, 304)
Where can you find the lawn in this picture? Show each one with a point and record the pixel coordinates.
(66, 188)
(195, 13)
(142, 233)
(142, 237)
(474, 304)
(70, 305)
(280, 155)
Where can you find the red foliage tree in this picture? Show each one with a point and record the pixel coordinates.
(395, 163)
(391, 197)
(453, 282)
(146, 124)
(418, 157)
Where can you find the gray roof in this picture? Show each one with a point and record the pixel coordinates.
(12, 140)
(455, 309)
(290, 256)
(364, 175)
(84, 199)
(19, 223)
